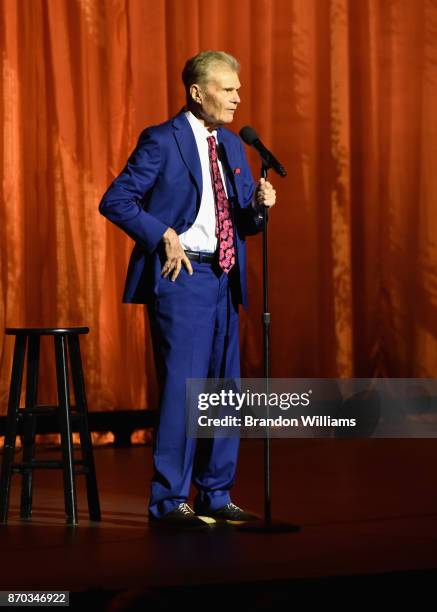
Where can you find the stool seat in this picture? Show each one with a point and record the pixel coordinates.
(45, 331)
(64, 338)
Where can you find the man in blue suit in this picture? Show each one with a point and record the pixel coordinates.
(187, 198)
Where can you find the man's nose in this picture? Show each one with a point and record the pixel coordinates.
(236, 98)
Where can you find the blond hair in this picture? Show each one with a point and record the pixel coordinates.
(196, 69)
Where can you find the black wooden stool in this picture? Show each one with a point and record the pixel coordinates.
(64, 412)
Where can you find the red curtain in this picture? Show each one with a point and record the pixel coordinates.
(343, 91)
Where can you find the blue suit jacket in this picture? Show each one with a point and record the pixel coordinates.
(161, 187)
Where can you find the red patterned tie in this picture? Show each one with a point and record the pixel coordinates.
(223, 226)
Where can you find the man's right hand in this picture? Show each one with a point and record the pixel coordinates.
(175, 255)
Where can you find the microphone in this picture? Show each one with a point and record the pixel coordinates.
(250, 137)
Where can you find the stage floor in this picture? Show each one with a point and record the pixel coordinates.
(367, 509)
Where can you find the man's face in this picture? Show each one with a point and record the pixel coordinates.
(218, 97)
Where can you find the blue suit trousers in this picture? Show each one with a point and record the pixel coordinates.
(195, 333)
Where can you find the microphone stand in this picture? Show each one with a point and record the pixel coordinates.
(266, 524)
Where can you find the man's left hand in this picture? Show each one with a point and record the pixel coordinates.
(265, 195)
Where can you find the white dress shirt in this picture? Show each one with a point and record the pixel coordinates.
(201, 235)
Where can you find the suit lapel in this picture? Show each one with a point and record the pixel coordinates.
(188, 149)
(229, 161)
(187, 146)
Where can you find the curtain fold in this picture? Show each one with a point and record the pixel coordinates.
(342, 91)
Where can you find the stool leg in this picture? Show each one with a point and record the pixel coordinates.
(11, 424)
(29, 425)
(85, 437)
(65, 428)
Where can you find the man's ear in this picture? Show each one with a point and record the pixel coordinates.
(195, 93)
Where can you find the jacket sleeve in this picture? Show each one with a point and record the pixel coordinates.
(121, 203)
